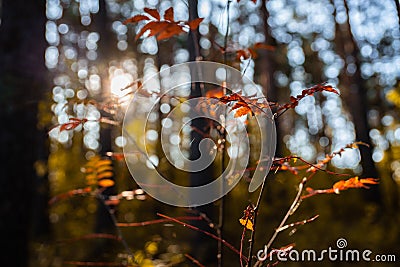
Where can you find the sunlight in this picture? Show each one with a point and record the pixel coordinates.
(119, 82)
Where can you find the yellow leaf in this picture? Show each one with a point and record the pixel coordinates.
(151, 248)
(249, 224)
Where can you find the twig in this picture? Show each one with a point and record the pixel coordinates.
(242, 241)
(114, 220)
(224, 242)
(292, 208)
(93, 263)
(90, 236)
(221, 205)
(253, 233)
(145, 223)
(194, 260)
(297, 223)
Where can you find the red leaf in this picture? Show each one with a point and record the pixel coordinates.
(152, 12)
(169, 31)
(242, 54)
(74, 122)
(154, 26)
(229, 98)
(169, 14)
(194, 23)
(136, 18)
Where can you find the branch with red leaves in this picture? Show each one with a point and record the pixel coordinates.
(283, 164)
(244, 105)
(162, 29)
(354, 182)
(294, 101)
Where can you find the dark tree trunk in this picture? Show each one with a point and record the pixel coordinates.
(104, 221)
(355, 96)
(266, 67)
(23, 81)
(206, 252)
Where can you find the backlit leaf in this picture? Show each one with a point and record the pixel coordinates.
(106, 174)
(247, 223)
(106, 183)
(169, 31)
(136, 18)
(152, 12)
(195, 23)
(169, 14)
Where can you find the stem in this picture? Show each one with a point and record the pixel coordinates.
(227, 31)
(253, 233)
(290, 211)
(224, 242)
(115, 222)
(221, 206)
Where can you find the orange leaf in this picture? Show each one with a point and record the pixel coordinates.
(136, 18)
(216, 93)
(169, 14)
(243, 111)
(247, 223)
(106, 174)
(194, 23)
(169, 31)
(152, 12)
(106, 183)
(154, 26)
(241, 54)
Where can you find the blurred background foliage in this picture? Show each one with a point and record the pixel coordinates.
(59, 55)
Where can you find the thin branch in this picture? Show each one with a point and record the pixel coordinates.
(221, 205)
(145, 223)
(93, 263)
(292, 208)
(241, 243)
(224, 242)
(253, 233)
(194, 260)
(90, 236)
(114, 220)
(297, 223)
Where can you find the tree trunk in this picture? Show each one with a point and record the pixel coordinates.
(354, 94)
(266, 67)
(206, 252)
(23, 81)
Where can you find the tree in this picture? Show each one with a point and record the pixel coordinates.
(23, 80)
